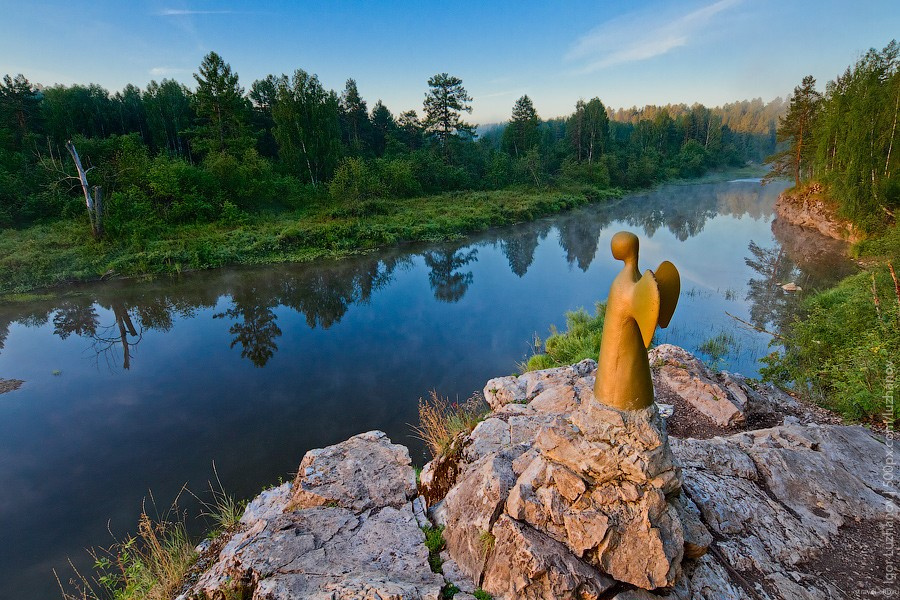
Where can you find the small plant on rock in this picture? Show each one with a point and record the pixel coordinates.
(440, 421)
(434, 541)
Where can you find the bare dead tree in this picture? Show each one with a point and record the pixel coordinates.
(93, 198)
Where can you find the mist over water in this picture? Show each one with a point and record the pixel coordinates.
(135, 386)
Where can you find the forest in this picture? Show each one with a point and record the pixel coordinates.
(287, 170)
(844, 139)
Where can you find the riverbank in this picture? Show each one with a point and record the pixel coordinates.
(60, 253)
(809, 206)
(521, 514)
(64, 252)
(839, 353)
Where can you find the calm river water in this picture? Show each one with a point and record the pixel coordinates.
(133, 387)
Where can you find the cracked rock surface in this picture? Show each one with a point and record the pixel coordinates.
(346, 528)
(553, 496)
(559, 498)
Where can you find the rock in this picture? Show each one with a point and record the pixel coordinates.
(453, 574)
(635, 595)
(808, 208)
(270, 503)
(501, 391)
(325, 552)
(561, 497)
(472, 507)
(361, 473)
(596, 480)
(688, 378)
(527, 564)
(346, 528)
(791, 287)
(10, 385)
(776, 498)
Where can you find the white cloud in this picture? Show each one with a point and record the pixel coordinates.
(165, 71)
(641, 36)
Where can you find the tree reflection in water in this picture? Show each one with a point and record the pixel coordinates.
(448, 283)
(323, 292)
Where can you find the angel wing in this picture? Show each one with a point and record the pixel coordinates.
(669, 282)
(645, 304)
(654, 299)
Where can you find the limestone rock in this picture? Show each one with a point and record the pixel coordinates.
(777, 498)
(527, 564)
(270, 503)
(809, 209)
(360, 473)
(350, 532)
(325, 552)
(688, 378)
(472, 507)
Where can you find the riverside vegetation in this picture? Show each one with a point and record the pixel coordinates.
(290, 171)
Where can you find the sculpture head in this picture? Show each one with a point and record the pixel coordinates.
(624, 246)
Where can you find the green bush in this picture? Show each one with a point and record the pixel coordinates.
(354, 181)
(580, 340)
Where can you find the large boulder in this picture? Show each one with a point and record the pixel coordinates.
(346, 528)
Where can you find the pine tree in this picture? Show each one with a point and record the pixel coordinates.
(521, 134)
(355, 125)
(221, 107)
(795, 128)
(443, 104)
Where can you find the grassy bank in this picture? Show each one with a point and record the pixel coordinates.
(841, 352)
(61, 252)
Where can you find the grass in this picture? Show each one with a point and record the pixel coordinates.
(148, 566)
(434, 541)
(61, 252)
(580, 340)
(717, 347)
(441, 421)
(841, 353)
(152, 564)
(480, 594)
(486, 539)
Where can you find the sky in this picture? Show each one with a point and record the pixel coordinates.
(626, 53)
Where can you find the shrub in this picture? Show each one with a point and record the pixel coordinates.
(838, 354)
(354, 181)
(580, 340)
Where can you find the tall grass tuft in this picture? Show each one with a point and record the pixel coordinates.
(148, 566)
(224, 510)
(440, 420)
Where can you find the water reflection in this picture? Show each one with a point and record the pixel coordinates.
(447, 280)
(325, 292)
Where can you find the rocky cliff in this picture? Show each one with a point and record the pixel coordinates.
(555, 496)
(809, 208)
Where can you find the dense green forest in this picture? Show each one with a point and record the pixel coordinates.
(844, 138)
(218, 174)
(839, 353)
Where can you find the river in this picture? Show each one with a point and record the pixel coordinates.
(137, 387)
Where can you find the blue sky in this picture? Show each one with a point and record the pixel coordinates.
(627, 53)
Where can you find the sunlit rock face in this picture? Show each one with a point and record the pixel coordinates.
(559, 497)
(347, 527)
(553, 495)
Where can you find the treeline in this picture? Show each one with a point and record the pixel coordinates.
(845, 138)
(168, 154)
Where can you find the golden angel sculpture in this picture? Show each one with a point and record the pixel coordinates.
(636, 305)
